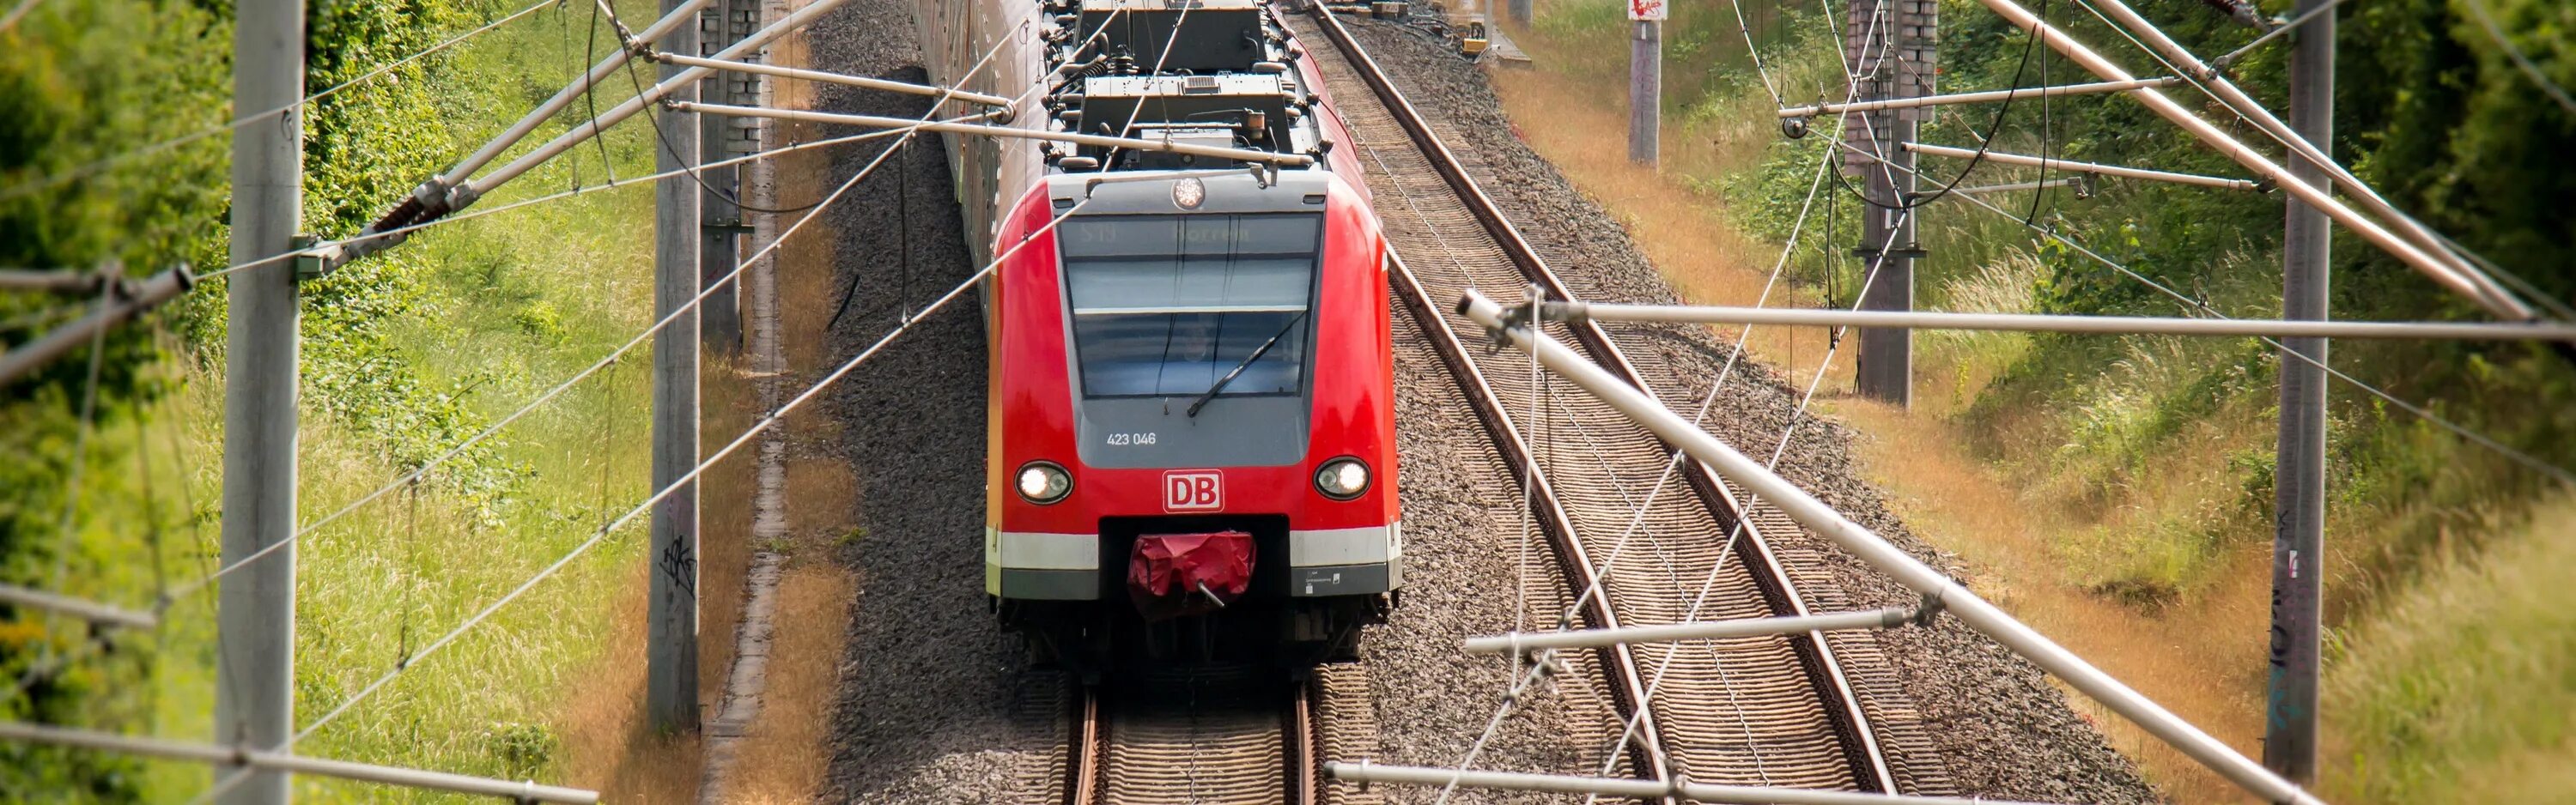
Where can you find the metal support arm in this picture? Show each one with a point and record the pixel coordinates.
(2035, 323)
(151, 293)
(1525, 642)
(1989, 96)
(1243, 154)
(2440, 265)
(756, 68)
(1629, 788)
(2089, 167)
(1869, 547)
(83, 609)
(225, 756)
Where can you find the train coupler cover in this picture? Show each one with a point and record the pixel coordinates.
(1171, 575)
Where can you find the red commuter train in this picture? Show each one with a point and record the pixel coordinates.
(1191, 452)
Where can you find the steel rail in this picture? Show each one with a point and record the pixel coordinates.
(1867, 760)
(1627, 687)
(1297, 736)
(1872, 549)
(1082, 752)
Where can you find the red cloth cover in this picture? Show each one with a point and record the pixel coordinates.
(1165, 571)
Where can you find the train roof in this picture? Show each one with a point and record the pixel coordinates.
(1202, 72)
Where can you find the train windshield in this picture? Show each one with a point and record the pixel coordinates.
(1168, 305)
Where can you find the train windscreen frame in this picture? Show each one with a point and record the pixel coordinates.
(1168, 305)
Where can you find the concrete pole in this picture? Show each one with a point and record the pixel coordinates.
(255, 608)
(1885, 370)
(671, 650)
(1645, 92)
(720, 222)
(1892, 41)
(2299, 486)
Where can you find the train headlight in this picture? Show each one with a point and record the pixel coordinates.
(1342, 478)
(1042, 482)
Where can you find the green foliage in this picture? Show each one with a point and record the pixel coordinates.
(72, 94)
(405, 355)
(2462, 691)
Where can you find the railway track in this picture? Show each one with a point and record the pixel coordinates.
(1755, 711)
(1216, 736)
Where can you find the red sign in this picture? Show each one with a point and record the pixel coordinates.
(1646, 9)
(1192, 490)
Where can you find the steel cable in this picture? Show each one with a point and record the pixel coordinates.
(92, 167)
(2195, 305)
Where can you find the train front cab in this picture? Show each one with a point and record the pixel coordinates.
(1111, 330)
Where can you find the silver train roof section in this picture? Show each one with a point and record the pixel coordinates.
(1204, 72)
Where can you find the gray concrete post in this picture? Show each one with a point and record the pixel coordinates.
(1645, 92)
(255, 607)
(720, 221)
(1885, 369)
(671, 641)
(2299, 482)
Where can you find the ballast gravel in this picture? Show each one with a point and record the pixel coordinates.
(2000, 728)
(935, 704)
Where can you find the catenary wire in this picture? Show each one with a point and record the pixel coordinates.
(15, 13)
(1736, 533)
(767, 421)
(2527, 460)
(1513, 692)
(556, 391)
(164, 145)
(479, 212)
(2486, 22)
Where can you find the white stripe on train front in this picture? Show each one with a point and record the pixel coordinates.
(1367, 545)
(1038, 550)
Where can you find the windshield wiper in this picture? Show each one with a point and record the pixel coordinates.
(1210, 394)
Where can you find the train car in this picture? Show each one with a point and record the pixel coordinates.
(1191, 453)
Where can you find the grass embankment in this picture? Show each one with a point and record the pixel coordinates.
(2117, 492)
(405, 355)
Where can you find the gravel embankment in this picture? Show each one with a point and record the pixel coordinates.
(932, 700)
(934, 706)
(2001, 730)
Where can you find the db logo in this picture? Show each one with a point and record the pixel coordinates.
(1192, 490)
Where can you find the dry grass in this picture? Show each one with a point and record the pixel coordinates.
(607, 742)
(2202, 657)
(784, 754)
(784, 757)
(2034, 554)
(607, 746)
(1687, 234)
(2460, 689)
